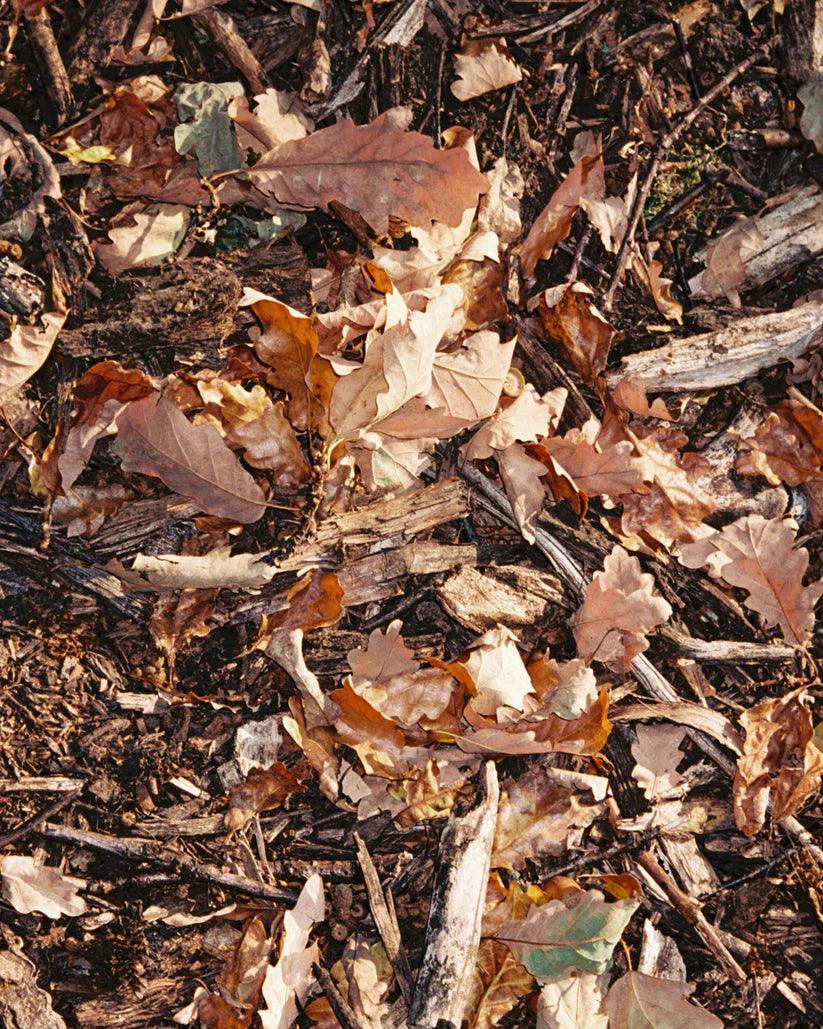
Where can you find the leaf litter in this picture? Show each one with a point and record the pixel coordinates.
(287, 583)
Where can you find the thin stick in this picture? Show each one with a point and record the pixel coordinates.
(337, 1002)
(37, 819)
(145, 850)
(671, 137)
(47, 54)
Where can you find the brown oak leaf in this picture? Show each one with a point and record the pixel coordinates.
(571, 319)
(483, 66)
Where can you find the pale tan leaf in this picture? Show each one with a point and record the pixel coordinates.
(499, 209)
(758, 555)
(218, 569)
(497, 670)
(482, 67)
(277, 118)
(467, 382)
(650, 274)
(287, 983)
(25, 350)
(781, 764)
(527, 418)
(522, 479)
(156, 234)
(563, 688)
(619, 608)
(553, 224)
(638, 1001)
(385, 656)
(657, 753)
(575, 1002)
(29, 887)
(377, 170)
(497, 984)
(726, 258)
(155, 438)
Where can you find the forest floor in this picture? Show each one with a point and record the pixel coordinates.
(348, 465)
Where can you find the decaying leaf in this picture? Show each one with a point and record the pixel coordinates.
(287, 982)
(205, 127)
(726, 258)
(377, 170)
(571, 319)
(263, 789)
(553, 224)
(177, 619)
(619, 608)
(156, 438)
(638, 1001)
(277, 118)
(759, 555)
(580, 931)
(787, 446)
(28, 887)
(26, 348)
(781, 764)
(497, 984)
(497, 672)
(483, 66)
(810, 95)
(542, 814)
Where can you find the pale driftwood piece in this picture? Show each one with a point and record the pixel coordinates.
(518, 597)
(383, 575)
(726, 356)
(802, 30)
(221, 29)
(789, 234)
(692, 869)
(41, 784)
(456, 915)
(659, 955)
(728, 652)
(642, 669)
(22, 1002)
(693, 914)
(385, 919)
(130, 849)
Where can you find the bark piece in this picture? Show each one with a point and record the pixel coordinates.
(220, 27)
(104, 27)
(785, 236)
(802, 30)
(518, 597)
(444, 984)
(726, 356)
(22, 1002)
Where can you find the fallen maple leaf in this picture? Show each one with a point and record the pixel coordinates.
(573, 1002)
(28, 887)
(781, 764)
(287, 982)
(758, 555)
(553, 224)
(571, 319)
(497, 984)
(156, 438)
(638, 1001)
(541, 814)
(619, 608)
(526, 419)
(657, 753)
(156, 234)
(578, 932)
(377, 170)
(483, 66)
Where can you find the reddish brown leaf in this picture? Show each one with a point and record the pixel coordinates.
(787, 446)
(157, 439)
(314, 601)
(553, 224)
(571, 319)
(264, 788)
(377, 170)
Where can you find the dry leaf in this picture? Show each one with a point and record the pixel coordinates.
(726, 257)
(566, 688)
(574, 1002)
(594, 469)
(637, 1001)
(241, 978)
(155, 438)
(810, 95)
(277, 118)
(499, 209)
(781, 764)
(156, 234)
(29, 887)
(263, 789)
(657, 753)
(522, 477)
(497, 984)
(25, 350)
(787, 446)
(619, 608)
(219, 569)
(179, 618)
(553, 224)
(377, 170)
(650, 274)
(497, 672)
(758, 555)
(527, 418)
(287, 982)
(578, 932)
(483, 66)
(571, 319)
(541, 815)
